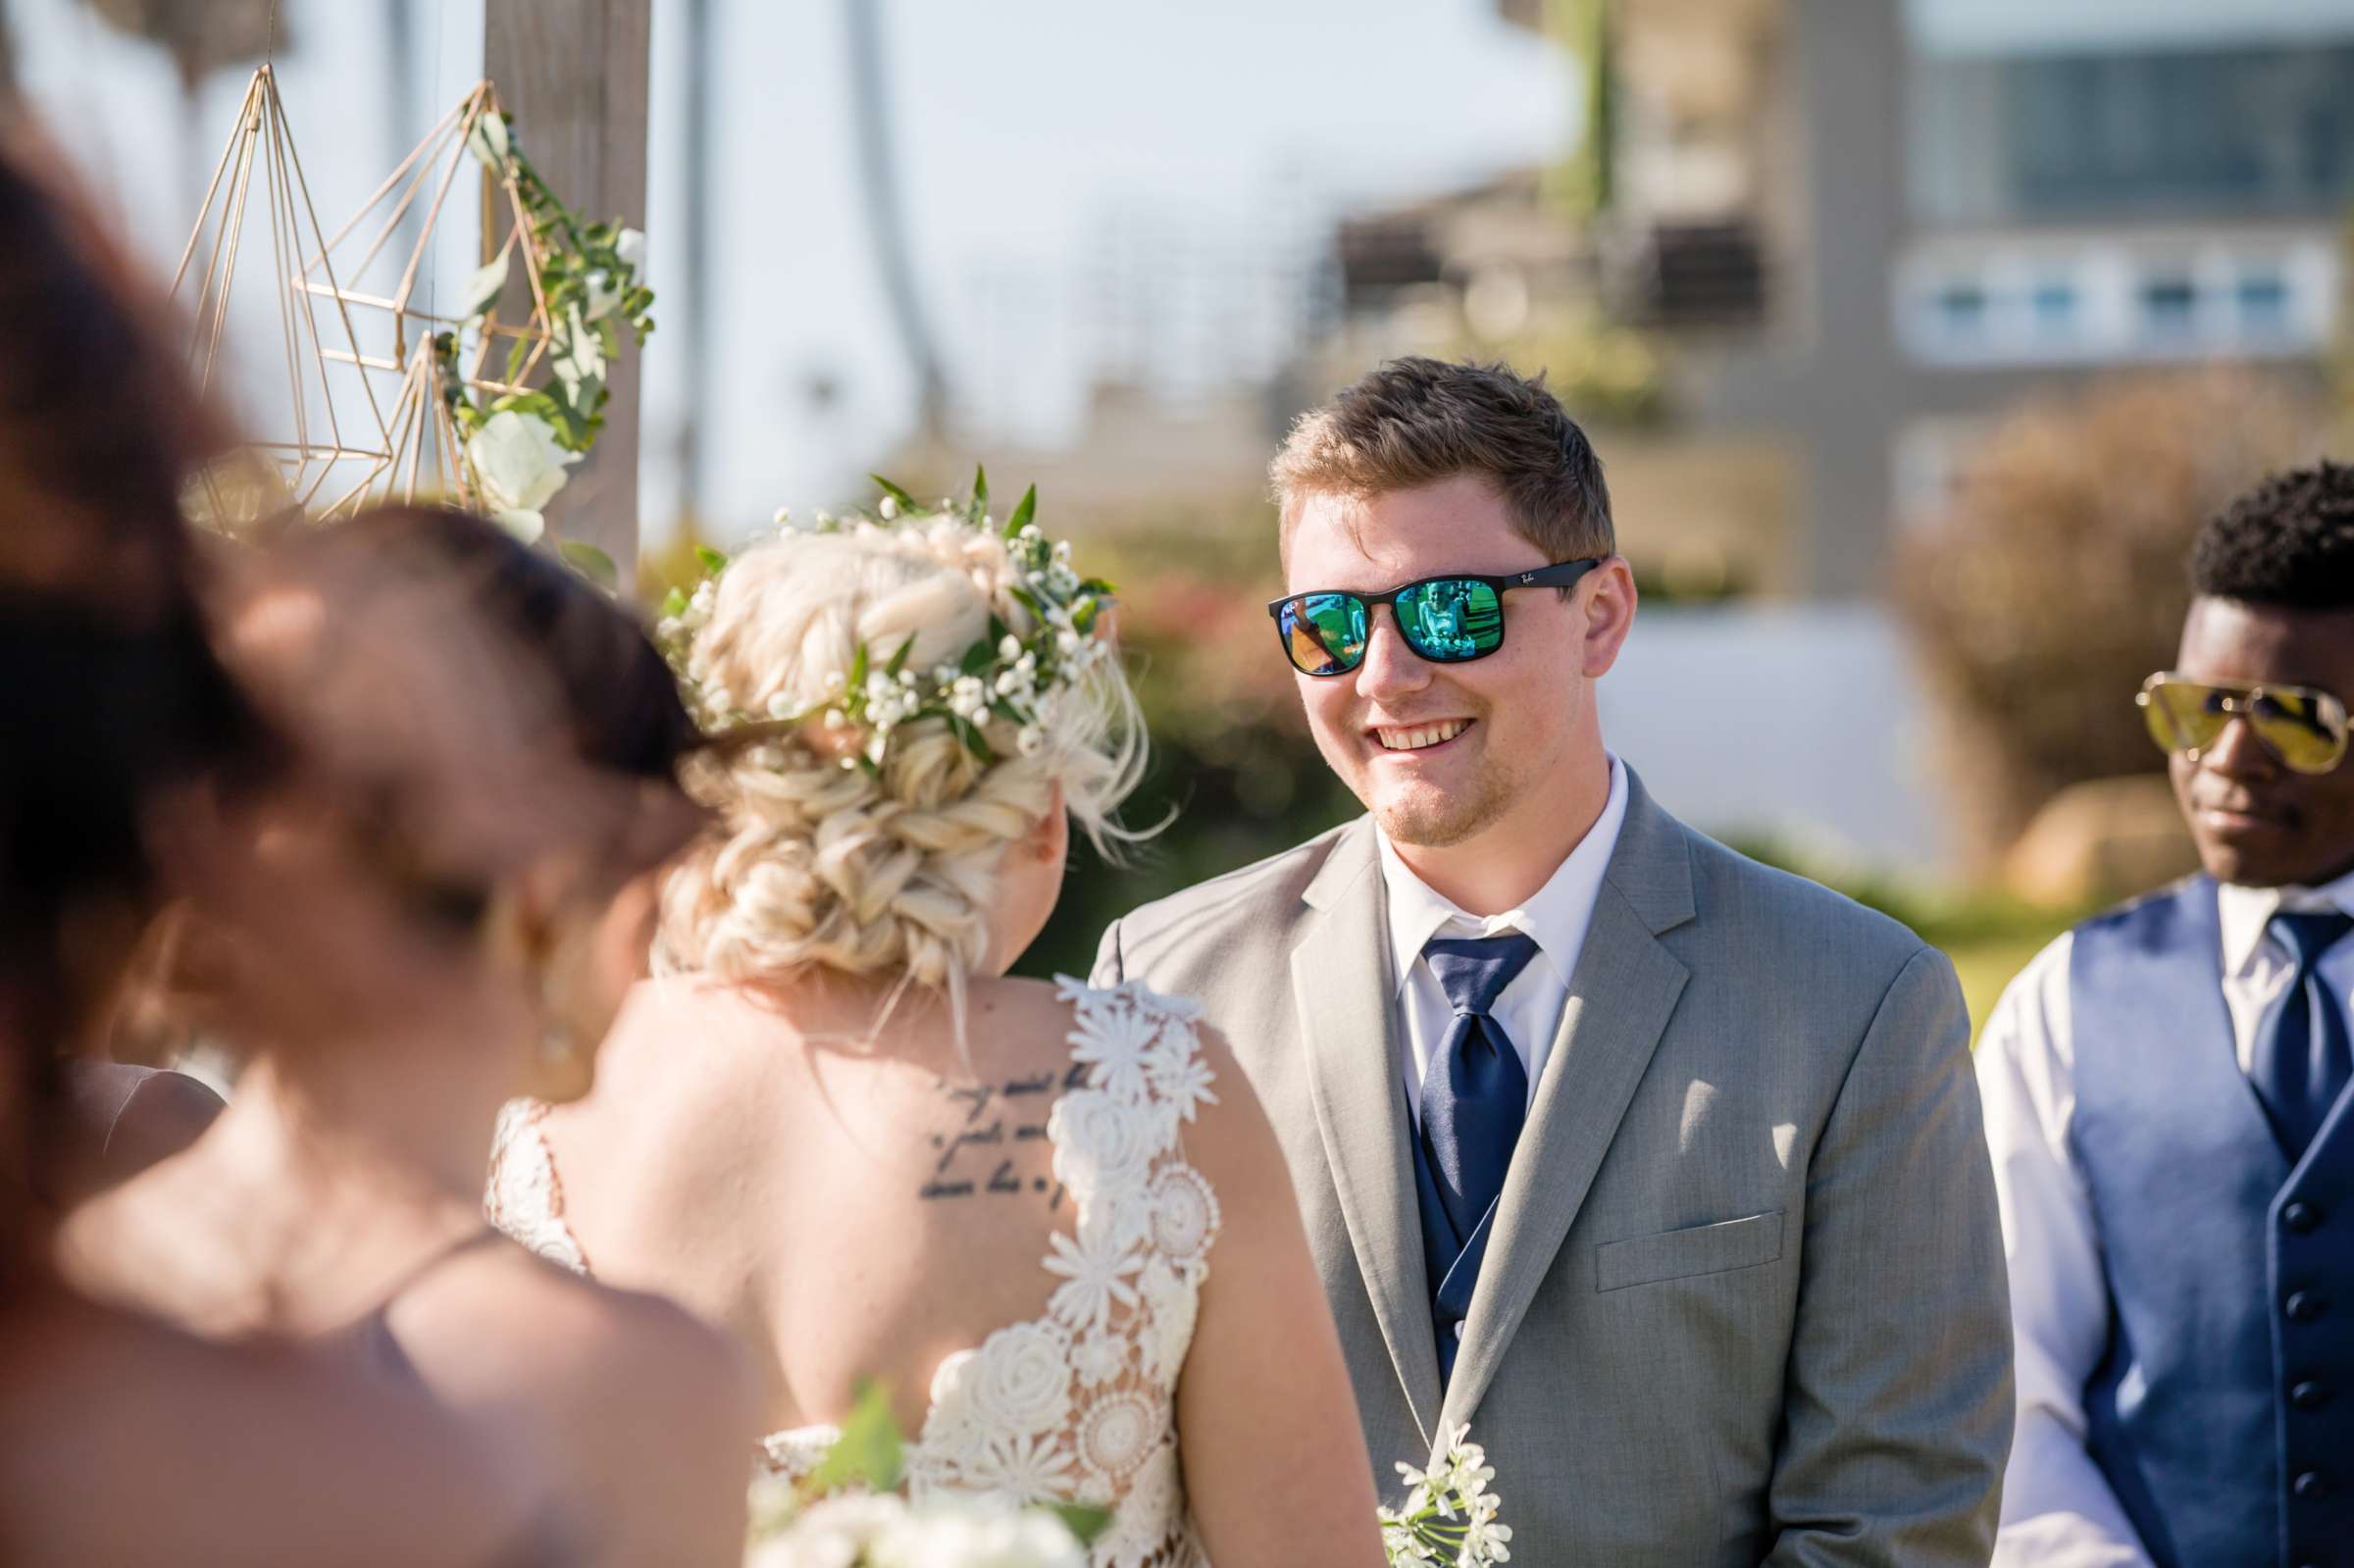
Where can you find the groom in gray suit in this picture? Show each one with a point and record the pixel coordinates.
(1660, 1169)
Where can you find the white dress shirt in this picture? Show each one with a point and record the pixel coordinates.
(2057, 1511)
(1557, 916)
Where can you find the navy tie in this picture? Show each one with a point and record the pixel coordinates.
(2302, 1060)
(1475, 1092)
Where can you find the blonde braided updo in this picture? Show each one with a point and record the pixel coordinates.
(821, 863)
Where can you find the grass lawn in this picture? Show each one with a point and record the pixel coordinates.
(1987, 963)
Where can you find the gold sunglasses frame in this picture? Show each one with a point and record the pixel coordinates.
(2238, 699)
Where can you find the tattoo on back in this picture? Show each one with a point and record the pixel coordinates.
(971, 1162)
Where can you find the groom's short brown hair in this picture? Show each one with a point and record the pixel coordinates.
(1417, 420)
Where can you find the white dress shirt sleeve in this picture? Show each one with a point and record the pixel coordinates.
(2057, 1511)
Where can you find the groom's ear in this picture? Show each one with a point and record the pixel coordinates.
(1608, 597)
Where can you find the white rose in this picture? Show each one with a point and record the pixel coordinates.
(1104, 1148)
(630, 246)
(1020, 1381)
(519, 467)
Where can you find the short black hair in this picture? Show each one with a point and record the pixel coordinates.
(2288, 542)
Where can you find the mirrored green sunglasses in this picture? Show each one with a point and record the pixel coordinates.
(1449, 619)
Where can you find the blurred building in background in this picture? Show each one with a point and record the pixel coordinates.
(1829, 238)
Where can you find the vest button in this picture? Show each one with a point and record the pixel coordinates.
(2311, 1487)
(2300, 1217)
(2308, 1395)
(2302, 1306)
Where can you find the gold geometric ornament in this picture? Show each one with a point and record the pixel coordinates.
(372, 400)
(443, 356)
(332, 440)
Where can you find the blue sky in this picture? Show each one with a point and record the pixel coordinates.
(1042, 142)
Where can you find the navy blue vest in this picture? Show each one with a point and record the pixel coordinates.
(2222, 1409)
(1453, 1261)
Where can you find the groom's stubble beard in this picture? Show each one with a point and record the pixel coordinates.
(1426, 815)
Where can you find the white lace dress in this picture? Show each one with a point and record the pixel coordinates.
(1077, 1406)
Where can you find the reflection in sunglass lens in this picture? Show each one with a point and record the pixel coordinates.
(1324, 633)
(2305, 730)
(2293, 724)
(1450, 619)
(2184, 717)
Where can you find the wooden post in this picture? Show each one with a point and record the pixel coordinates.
(574, 74)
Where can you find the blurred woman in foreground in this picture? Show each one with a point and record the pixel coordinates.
(122, 1441)
(441, 912)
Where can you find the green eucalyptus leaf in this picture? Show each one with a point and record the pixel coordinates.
(978, 657)
(972, 740)
(529, 402)
(580, 355)
(869, 1452)
(1084, 1520)
(592, 563)
(1023, 511)
(1024, 598)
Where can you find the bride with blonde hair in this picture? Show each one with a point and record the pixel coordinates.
(1053, 1222)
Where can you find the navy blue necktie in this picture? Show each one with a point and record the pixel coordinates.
(2302, 1060)
(1475, 1092)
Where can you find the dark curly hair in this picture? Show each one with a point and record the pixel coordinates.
(2289, 543)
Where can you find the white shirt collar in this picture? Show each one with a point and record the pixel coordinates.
(2245, 912)
(1555, 915)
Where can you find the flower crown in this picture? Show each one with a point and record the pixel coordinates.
(1016, 671)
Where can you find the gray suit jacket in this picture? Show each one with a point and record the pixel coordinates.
(1744, 1301)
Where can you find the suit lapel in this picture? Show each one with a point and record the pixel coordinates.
(1341, 987)
(1623, 989)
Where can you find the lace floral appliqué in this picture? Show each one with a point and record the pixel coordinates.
(1080, 1404)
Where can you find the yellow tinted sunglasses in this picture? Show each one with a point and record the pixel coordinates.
(2303, 726)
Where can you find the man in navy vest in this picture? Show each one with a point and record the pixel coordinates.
(2166, 1100)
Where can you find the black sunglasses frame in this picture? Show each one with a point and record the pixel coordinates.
(1560, 575)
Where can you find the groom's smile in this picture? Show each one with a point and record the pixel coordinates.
(1427, 735)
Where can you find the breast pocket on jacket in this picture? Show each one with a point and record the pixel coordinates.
(1718, 1248)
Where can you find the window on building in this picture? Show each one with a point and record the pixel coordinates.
(2053, 305)
(2169, 304)
(1961, 309)
(2256, 128)
(2263, 295)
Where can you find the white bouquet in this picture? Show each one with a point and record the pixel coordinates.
(1449, 1516)
(883, 1530)
(846, 1513)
